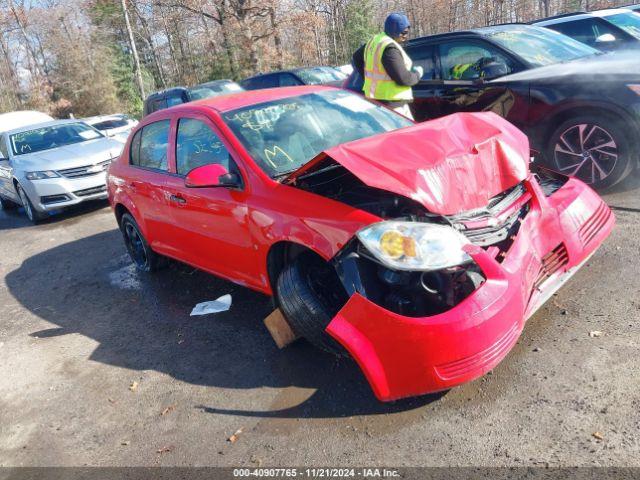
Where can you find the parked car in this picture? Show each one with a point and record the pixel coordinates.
(11, 120)
(53, 165)
(418, 249)
(635, 7)
(580, 108)
(611, 29)
(117, 126)
(297, 76)
(178, 95)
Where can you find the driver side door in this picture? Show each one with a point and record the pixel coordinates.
(6, 172)
(465, 86)
(209, 225)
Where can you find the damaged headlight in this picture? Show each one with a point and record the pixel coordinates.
(414, 245)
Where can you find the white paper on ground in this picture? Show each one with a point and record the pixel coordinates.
(218, 305)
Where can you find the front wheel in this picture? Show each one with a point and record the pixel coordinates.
(139, 250)
(594, 148)
(32, 214)
(309, 294)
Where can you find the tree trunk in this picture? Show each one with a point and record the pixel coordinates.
(276, 38)
(134, 50)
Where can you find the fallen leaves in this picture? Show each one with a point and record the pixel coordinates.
(234, 438)
(134, 386)
(595, 333)
(165, 449)
(597, 436)
(168, 409)
(126, 443)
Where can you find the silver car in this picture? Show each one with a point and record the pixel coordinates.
(49, 166)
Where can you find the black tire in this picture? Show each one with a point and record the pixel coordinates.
(145, 259)
(6, 204)
(309, 294)
(33, 215)
(572, 149)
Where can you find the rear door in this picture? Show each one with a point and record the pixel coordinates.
(209, 225)
(146, 178)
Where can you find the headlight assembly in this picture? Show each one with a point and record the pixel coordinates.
(41, 175)
(414, 245)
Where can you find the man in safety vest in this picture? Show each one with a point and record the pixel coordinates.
(387, 70)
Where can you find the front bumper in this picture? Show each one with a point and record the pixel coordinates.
(61, 192)
(403, 356)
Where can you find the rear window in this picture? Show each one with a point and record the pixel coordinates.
(109, 124)
(149, 146)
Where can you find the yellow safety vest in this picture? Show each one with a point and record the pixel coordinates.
(377, 83)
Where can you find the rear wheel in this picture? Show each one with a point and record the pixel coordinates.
(594, 148)
(309, 293)
(139, 250)
(32, 214)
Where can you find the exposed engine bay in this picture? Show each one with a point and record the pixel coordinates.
(417, 293)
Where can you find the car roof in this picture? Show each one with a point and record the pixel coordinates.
(166, 91)
(36, 126)
(477, 32)
(100, 118)
(570, 17)
(232, 101)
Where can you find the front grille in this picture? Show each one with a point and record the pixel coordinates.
(551, 263)
(594, 223)
(49, 199)
(85, 170)
(90, 191)
(481, 226)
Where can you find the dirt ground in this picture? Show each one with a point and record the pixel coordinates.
(100, 365)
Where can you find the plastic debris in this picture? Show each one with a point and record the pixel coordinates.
(234, 438)
(595, 333)
(167, 410)
(221, 304)
(134, 386)
(597, 436)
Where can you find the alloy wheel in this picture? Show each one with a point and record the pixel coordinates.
(25, 203)
(135, 244)
(586, 151)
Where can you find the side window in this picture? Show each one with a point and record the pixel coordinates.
(198, 145)
(288, 80)
(149, 146)
(268, 81)
(159, 104)
(423, 57)
(174, 100)
(581, 30)
(467, 61)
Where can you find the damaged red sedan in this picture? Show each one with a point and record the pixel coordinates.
(420, 250)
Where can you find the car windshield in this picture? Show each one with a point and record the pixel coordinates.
(46, 138)
(283, 135)
(629, 22)
(320, 75)
(540, 47)
(208, 91)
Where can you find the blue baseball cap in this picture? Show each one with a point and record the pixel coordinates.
(395, 24)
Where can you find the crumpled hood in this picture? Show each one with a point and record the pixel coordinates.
(449, 165)
(71, 156)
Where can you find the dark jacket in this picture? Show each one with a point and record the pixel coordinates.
(393, 63)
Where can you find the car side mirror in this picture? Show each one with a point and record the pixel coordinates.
(606, 38)
(212, 175)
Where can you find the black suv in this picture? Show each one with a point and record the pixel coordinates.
(606, 30)
(296, 76)
(579, 107)
(177, 95)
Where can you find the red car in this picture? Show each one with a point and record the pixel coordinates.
(420, 250)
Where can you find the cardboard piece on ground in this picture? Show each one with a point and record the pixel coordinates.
(279, 329)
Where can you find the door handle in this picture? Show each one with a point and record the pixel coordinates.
(177, 199)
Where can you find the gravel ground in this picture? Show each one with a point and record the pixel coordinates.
(100, 365)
